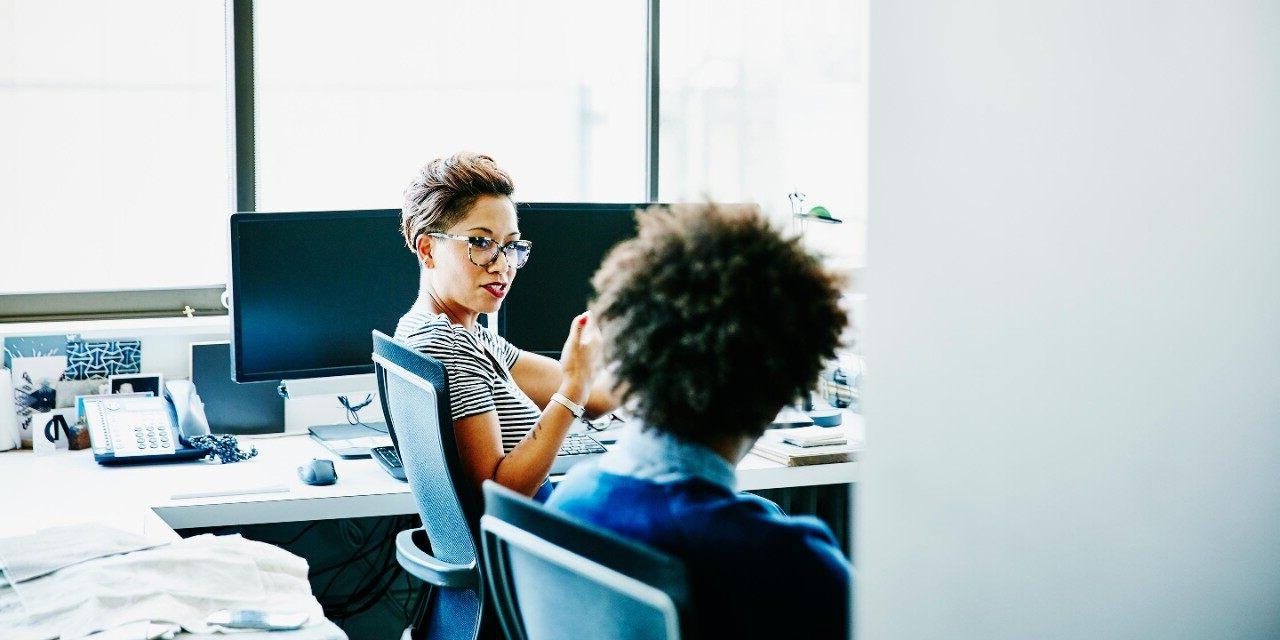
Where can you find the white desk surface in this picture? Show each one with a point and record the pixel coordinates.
(68, 487)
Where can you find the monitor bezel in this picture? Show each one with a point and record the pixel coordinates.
(572, 207)
(238, 220)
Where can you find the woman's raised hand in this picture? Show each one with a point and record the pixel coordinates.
(580, 358)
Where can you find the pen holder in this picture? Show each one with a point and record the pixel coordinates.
(79, 437)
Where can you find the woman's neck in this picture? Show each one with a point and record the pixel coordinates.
(431, 299)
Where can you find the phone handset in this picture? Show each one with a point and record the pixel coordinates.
(187, 408)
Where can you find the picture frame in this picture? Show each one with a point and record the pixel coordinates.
(136, 383)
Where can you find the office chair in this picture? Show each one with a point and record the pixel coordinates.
(551, 576)
(415, 395)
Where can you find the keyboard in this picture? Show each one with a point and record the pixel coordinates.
(390, 461)
(577, 448)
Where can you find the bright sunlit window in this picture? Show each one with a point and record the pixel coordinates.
(352, 98)
(763, 98)
(113, 151)
(116, 144)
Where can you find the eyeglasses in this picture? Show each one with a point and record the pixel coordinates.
(483, 251)
(604, 423)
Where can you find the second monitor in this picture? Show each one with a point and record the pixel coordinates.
(569, 242)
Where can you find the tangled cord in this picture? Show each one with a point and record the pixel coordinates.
(222, 449)
(353, 411)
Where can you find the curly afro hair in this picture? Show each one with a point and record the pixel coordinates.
(713, 320)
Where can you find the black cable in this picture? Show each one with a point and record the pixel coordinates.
(301, 532)
(374, 586)
(344, 563)
(353, 412)
(342, 609)
(382, 575)
(419, 610)
(385, 573)
(366, 547)
(422, 599)
(352, 533)
(414, 593)
(409, 592)
(372, 577)
(342, 567)
(371, 598)
(424, 608)
(404, 604)
(339, 564)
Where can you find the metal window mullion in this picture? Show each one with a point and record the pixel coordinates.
(241, 83)
(651, 101)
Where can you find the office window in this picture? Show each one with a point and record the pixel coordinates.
(760, 98)
(113, 169)
(352, 98)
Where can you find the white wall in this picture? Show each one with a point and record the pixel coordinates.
(1074, 275)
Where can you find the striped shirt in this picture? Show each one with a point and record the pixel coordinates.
(478, 366)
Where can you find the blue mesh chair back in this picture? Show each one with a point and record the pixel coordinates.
(415, 395)
(552, 576)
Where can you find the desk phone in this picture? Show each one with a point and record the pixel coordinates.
(146, 429)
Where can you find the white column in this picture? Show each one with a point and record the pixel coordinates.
(1073, 413)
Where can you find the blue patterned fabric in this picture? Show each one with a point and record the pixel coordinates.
(101, 358)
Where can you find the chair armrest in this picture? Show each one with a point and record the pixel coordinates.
(431, 570)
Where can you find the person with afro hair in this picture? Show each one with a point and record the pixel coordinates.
(712, 321)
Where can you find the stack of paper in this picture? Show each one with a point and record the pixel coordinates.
(813, 436)
(821, 446)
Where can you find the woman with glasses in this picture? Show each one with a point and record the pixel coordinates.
(511, 409)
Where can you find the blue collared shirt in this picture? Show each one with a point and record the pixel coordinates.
(754, 572)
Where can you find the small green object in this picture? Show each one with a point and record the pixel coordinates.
(822, 214)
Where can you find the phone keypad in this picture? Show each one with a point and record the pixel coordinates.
(146, 433)
(134, 429)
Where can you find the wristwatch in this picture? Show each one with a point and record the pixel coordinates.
(576, 409)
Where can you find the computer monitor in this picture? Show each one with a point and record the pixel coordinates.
(307, 289)
(569, 242)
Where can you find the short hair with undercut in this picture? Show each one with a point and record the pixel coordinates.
(713, 320)
(445, 189)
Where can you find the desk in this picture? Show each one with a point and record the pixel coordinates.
(69, 487)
